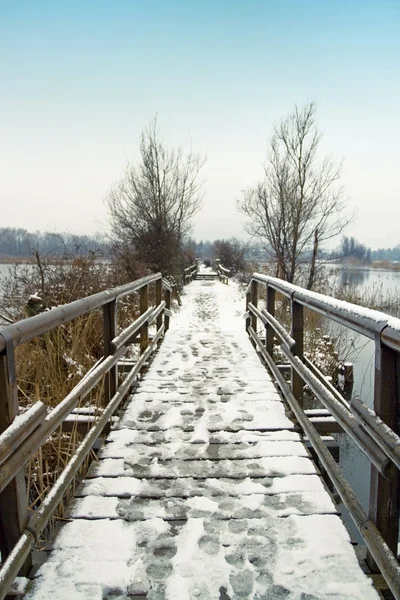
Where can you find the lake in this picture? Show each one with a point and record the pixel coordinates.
(379, 280)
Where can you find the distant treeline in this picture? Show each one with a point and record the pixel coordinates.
(392, 254)
(350, 248)
(17, 242)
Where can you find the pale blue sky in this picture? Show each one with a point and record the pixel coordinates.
(80, 80)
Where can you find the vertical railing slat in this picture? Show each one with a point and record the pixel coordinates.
(109, 333)
(297, 333)
(144, 330)
(168, 307)
(384, 493)
(254, 301)
(158, 301)
(248, 318)
(269, 338)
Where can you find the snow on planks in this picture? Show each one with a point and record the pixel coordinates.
(203, 490)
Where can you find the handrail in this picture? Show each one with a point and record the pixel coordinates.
(227, 271)
(20, 429)
(223, 273)
(385, 437)
(21, 437)
(366, 321)
(375, 432)
(27, 329)
(190, 273)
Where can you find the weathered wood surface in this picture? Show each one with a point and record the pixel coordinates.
(204, 489)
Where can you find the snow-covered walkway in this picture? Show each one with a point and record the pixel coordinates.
(204, 491)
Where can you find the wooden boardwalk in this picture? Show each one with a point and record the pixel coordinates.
(204, 490)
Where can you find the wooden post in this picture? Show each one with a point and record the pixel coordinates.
(297, 333)
(348, 378)
(384, 493)
(109, 333)
(158, 301)
(13, 500)
(168, 307)
(144, 330)
(254, 300)
(248, 319)
(269, 338)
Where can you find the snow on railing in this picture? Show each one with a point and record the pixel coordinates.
(190, 273)
(223, 273)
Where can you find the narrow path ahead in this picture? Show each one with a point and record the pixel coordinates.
(204, 491)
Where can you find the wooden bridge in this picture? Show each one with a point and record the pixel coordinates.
(204, 489)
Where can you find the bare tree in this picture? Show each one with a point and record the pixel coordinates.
(231, 253)
(299, 205)
(153, 203)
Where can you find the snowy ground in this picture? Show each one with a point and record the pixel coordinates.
(204, 491)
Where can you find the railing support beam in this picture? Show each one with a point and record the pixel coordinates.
(158, 302)
(109, 333)
(269, 338)
(167, 297)
(384, 494)
(297, 332)
(248, 318)
(144, 330)
(254, 301)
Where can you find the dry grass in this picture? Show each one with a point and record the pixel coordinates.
(376, 297)
(48, 367)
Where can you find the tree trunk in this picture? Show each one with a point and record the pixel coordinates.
(311, 275)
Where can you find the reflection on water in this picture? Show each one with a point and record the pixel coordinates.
(353, 277)
(365, 279)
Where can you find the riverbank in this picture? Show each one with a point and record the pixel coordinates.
(380, 265)
(15, 260)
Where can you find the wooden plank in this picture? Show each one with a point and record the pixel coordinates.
(326, 426)
(251, 506)
(125, 487)
(175, 434)
(82, 426)
(190, 451)
(175, 468)
(230, 417)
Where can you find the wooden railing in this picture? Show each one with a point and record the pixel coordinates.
(376, 431)
(22, 436)
(190, 273)
(223, 273)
